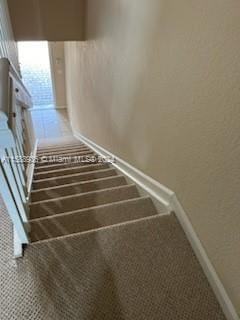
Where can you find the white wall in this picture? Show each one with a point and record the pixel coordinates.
(8, 47)
(158, 84)
(57, 61)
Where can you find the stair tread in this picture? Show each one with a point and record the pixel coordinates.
(61, 172)
(96, 207)
(56, 166)
(82, 200)
(80, 194)
(60, 147)
(71, 178)
(64, 147)
(92, 218)
(95, 230)
(74, 187)
(63, 152)
(59, 156)
(70, 175)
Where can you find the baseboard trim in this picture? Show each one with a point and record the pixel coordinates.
(160, 195)
(164, 196)
(200, 252)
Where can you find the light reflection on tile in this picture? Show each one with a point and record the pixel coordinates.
(51, 123)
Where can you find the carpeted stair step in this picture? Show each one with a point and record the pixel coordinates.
(47, 161)
(63, 165)
(60, 147)
(53, 182)
(63, 151)
(79, 201)
(91, 218)
(76, 188)
(48, 158)
(71, 170)
(141, 270)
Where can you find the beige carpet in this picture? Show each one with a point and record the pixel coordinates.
(100, 254)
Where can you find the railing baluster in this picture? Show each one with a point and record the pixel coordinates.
(17, 140)
(14, 188)
(13, 164)
(12, 209)
(20, 169)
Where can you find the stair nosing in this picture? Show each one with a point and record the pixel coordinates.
(155, 216)
(72, 175)
(82, 194)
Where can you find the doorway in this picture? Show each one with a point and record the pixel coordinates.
(36, 72)
(37, 67)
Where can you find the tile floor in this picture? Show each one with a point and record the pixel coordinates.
(51, 123)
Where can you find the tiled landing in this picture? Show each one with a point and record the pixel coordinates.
(51, 123)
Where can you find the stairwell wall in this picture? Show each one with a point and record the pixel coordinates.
(55, 20)
(8, 46)
(157, 84)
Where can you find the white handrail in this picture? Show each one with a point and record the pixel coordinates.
(17, 140)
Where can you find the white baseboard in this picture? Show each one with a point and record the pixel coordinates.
(162, 196)
(210, 272)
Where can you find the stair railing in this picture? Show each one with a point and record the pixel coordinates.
(17, 147)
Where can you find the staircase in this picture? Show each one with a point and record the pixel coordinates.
(100, 250)
(97, 249)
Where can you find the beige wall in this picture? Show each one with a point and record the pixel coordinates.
(52, 20)
(158, 84)
(57, 61)
(8, 47)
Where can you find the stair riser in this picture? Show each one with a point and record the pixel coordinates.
(63, 151)
(56, 159)
(83, 201)
(61, 166)
(90, 219)
(72, 179)
(43, 165)
(64, 172)
(77, 188)
(60, 147)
